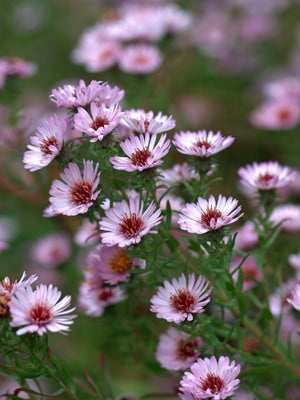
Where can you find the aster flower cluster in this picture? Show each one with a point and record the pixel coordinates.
(126, 40)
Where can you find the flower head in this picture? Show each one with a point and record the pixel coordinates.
(46, 144)
(201, 144)
(266, 175)
(177, 174)
(40, 310)
(211, 378)
(77, 191)
(208, 215)
(140, 121)
(294, 298)
(142, 152)
(51, 250)
(180, 299)
(288, 216)
(176, 350)
(140, 59)
(126, 222)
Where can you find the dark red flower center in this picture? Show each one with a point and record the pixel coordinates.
(99, 122)
(40, 314)
(284, 114)
(264, 179)
(4, 301)
(140, 157)
(208, 216)
(81, 193)
(213, 383)
(46, 143)
(120, 262)
(182, 300)
(141, 59)
(105, 294)
(186, 350)
(249, 271)
(131, 225)
(203, 143)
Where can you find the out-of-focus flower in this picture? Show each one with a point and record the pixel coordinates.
(294, 261)
(77, 190)
(46, 144)
(247, 236)
(87, 234)
(288, 216)
(140, 59)
(176, 351)
(251, 273)
(109, 95)
(177, 174)
(211, 378)
(287, 88)
(51, 250)
(266, 175)
(16, 66)
(180, 299)
(278, 300)
(8, 230)
(140, 121)
(40, 310)
(142, 152)
(276, 115)
(127, 222)
(208, 215)
(294, 300)
(103, 120)
(202, 143)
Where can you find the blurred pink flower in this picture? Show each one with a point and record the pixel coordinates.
(288, 216)
(51, 250)
(140, 59)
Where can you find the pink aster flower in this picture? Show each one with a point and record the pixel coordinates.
(17, 66)
(126, 222)
(211, 378)
(140, 121)
(40, 310)
(286, 88)
(177, 174)
(175, 351)
(103, 120)
(109, 95)
(276, 115)
(111, 264)
(266, 175)
(294, 261)
(46, 144)
(51, 250)
(288, 216)
(142, 152)
(251, 273)
(294, 299)
(140, 59)
(70, 96)
(180, 299)
(202, 143)
(208, 215)
(77, 190)
(87, 234)
(247, 237)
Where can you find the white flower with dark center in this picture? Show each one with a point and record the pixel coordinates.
(142, 153)
(77, 190)
(211, 378)
(46, 144)
(40, 310)
(70, 96)
(140, 121)
(127, 222)
(180, 299)
(208, 215)
(201, 144)
(266, 175)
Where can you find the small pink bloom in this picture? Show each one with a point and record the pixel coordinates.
(266, 175)
(177, 174)
(287, 88)
(140, 121)
(16, 66)
(70, 96)
(51, 250)
(77, 190)
(288, 216)
(294, 299)
(140, 59)
(109, 96)
(40, 310)
(180, 299)
(294, 261)
(251, 273)
(142, 152)
(46, 144)
(175, 351)
(10, 288)
(202, 143)
(103, 120)
(127, 222)
(208, 215)
(278, 300)
(87, 234)
(247, 237)
(176, 19)
(211, 378)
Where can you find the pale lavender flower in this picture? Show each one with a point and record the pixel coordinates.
(9, 288)
(103, 120)
(17, 66)
(127, 222)
(294, 261)
(294, 299)
(51, 250)
(46, 144)
(208, 215)
(176, 19)
(278, 300)
(70, 96)
(109, 95)
(211, 378)
(40, 310)
(142, 152)
(288, 216)
(266, 175)
(247, 236)
(180, 299)
(201, 144)
(86, 234)
(176, 351)
(140, 59)
(177, 174)
(140, 121)
(77, 190)
(285, 88)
